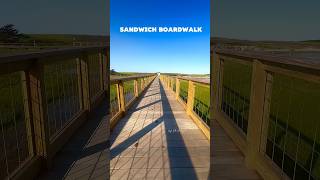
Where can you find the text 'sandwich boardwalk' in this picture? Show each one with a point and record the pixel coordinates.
(170, 29)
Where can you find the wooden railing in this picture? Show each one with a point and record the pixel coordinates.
(124, 92)
(194, 95)
(45, 97)
(270, 107)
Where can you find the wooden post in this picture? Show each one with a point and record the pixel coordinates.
(191, 93)
(28, 113)
(38, 112)
(266, 111)
(258, 91)
(107, 89)
(177, 88)
(104, 70)
(83, 75)
(136, 90)
(213, 84)
(172, 84)
(141, 85)
(107, 78)
(118, 96)
(121, 97)
(146, 79)
(216, 83)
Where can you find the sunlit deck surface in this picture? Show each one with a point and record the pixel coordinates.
(158, 140)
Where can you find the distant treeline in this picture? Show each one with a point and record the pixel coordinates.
(10, 34)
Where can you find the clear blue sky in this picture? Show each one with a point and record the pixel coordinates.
(266, 19)
(163, 52)
(56, 16)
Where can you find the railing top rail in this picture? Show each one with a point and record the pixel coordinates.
(21, 57)
(278, 60)
(196, 80)
(193, 79)
(129, 78)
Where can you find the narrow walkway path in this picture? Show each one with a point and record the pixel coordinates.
(157, 140)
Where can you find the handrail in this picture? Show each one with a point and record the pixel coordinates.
(276, 60)
(129, 78)
(15, 58)
(196, 80)
(21, 61)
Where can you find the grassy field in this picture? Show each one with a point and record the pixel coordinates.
(50, 41)
(128, 88)
(113, 92)
(12, 124)
(236, 92)
(202, 93)
(113, 89)
(114, 107)
(184, 90)
(295, 108)
(202, 102)
(202, 99)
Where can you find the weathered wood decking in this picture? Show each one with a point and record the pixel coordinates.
(157, 140)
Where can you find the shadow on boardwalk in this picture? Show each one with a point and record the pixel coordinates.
(157, 140)
(85, 156)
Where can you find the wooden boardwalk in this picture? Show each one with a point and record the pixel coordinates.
(157, 140)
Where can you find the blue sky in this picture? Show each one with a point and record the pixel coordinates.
(245, 19)
(163, 52)
(266, 19)
(56, 16)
